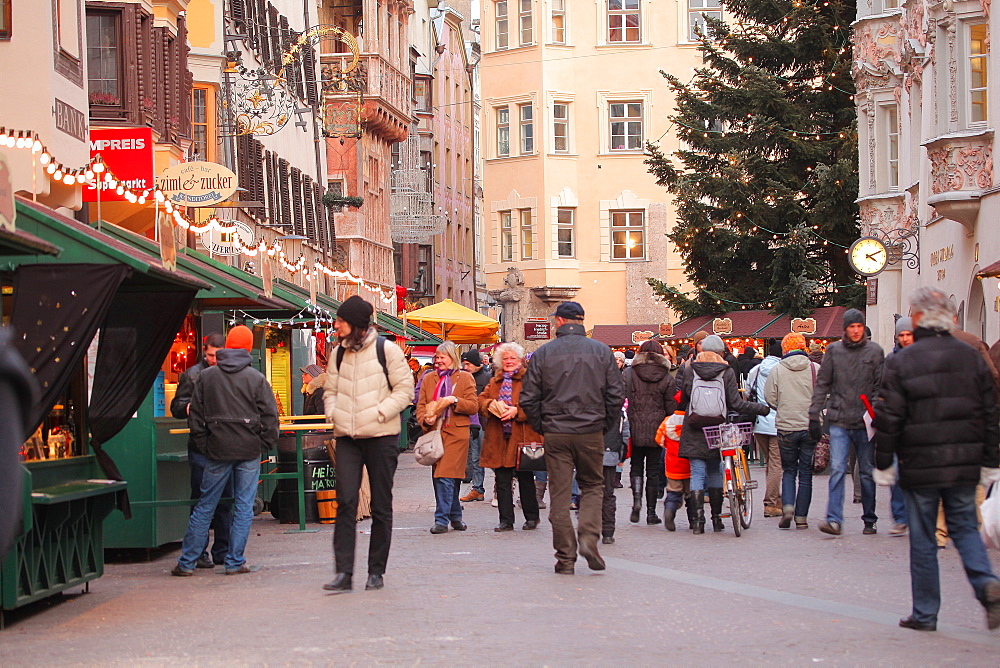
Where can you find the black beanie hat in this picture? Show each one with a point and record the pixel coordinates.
(473, 357)
(853, 316)
(356, 312)
(774, 350)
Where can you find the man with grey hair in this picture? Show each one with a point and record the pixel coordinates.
(937, 413)
(573, 394)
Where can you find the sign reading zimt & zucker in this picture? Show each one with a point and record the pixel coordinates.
(128, 153)
(197, 183)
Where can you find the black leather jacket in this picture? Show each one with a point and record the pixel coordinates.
(573, 385)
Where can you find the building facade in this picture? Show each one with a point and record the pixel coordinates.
(570, 96)
(926, 107)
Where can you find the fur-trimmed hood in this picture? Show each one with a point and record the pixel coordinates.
(650, 367)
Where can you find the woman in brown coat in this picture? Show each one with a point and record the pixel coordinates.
(449, 393)
(503, 433)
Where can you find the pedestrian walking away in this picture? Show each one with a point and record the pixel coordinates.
(851, 369)
(505, 428)
(788, 391)
(223, 518)
(765, 434)
(448, 397)
(572, 395)
(233, 419)
(936, 421)
(897, 504)
(363, 400)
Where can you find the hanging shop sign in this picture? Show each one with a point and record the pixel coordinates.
(872, 292)
(722, 326)
(639, 337)
(128, 153)
(537, 330)
(804, 325)
(224, 243)
(666, 329)
(7, 212)
(197, 183)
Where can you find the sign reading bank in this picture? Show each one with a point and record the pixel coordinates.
(128, 153)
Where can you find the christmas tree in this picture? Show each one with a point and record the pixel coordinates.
(766, 180)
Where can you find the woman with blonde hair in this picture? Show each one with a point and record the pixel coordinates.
(505, 426)
(448, 394)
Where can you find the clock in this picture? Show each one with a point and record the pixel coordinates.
(868, 256)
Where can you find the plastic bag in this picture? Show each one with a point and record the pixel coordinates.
(990, 528)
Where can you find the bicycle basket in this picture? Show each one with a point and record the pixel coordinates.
(729, 435)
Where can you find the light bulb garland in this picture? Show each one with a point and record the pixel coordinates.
(96, 171)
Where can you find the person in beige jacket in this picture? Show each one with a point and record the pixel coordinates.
(363, 400)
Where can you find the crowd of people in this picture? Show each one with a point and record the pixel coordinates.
(923, 421)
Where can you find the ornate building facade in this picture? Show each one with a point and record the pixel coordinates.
(926, 107)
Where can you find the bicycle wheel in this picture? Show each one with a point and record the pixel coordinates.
(730, 481)
(741, 475)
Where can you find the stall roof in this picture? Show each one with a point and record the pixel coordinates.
(829, 324)
(621, 335)
(762, 324)
(82, 243)
(18, 242)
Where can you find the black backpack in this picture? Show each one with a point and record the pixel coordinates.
(379, 352)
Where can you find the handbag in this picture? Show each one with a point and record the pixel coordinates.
(429, 448)
(821, 455)
(990, 528)
(530, 456)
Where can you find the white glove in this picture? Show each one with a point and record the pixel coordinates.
(988, 476)
(886, 477)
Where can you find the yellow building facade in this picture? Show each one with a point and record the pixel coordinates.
(571, 92)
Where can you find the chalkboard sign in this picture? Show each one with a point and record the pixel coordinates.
(323, 478)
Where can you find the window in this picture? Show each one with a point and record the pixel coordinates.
(501, 24)
(5, 19)
(506, 237)
(565, 232)
(524, 21)
(978, 61)
(889, 121)
(623, 20)
(560, 127)
(527, 129)
(527, 235)
(422, 94)
(558, 21)
(104, 59)
(697, 11)
(503, 132)
(626, 126)
(68, 25)
(202, 127)
(628, 232)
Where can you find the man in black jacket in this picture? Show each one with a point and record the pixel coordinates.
(937, 413)
(573, 394)
(233, 418)
(223, 518)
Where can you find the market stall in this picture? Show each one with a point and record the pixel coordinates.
(454, 322)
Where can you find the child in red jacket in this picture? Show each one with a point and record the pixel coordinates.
(678, 470)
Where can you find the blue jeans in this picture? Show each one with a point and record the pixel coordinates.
(705, 474)
(222, 522)
(446, 493)
(840, 442)
(797, 449)
(244, 475)
(472, 464)
(960, 515)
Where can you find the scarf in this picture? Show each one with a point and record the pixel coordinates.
(445, 388)
(507, 396)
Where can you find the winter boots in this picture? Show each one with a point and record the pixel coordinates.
(540, 486)
(636, 484)
(696, 510)
(652, 488)
(715, 500)
(671, 504)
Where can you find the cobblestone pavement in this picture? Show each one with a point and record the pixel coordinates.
(769, 597)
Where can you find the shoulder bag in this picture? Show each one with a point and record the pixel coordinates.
(530, 456)
(821, 453)
(429, 448)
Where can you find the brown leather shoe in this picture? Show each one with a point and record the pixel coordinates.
(589, 552)
(473, 495)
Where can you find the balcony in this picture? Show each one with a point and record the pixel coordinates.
(961, 171)
(385, 91)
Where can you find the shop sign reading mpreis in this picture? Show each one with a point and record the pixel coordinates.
(128, 153)
(197, 183)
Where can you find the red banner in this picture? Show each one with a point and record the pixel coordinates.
(128, 153)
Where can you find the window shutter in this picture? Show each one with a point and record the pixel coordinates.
(297, 203)
(286, 200)
(273, 39)
(258, 179)
(272, 190)
(320, 209)
(312, 89)
(238, 12)
(308, 208)
(244, 174)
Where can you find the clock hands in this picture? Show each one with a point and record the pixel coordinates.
(871, 256)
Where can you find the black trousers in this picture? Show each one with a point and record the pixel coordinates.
(379, 456)
(505, 496)
(609, 506)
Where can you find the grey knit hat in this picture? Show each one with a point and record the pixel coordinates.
(904, 325)
(713, 344)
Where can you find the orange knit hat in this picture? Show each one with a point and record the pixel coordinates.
(793, 341)
(240, 336)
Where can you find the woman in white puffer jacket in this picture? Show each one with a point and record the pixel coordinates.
(363, 400)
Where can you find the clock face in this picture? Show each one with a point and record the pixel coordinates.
(868, 256)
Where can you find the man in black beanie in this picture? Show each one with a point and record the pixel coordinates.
(851, 369)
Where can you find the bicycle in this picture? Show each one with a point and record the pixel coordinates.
(729, 440)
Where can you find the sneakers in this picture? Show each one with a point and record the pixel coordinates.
(801, 522)
(473, 495)
(991, 600)
(787, 513)
(832, 528)
(204, 561)
(240, 571)
(870, 529)
(898, 529)
(495, 502)
(181, 572)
